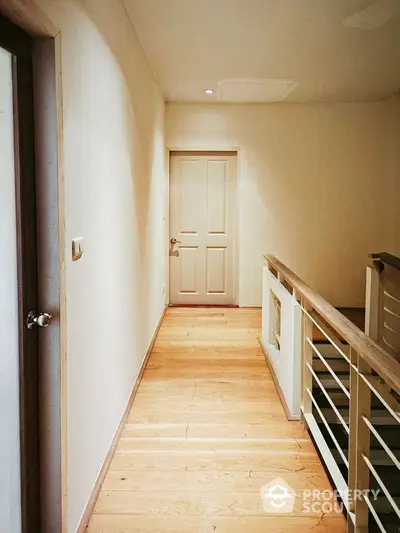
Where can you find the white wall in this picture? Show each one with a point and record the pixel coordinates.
(115, 182)
(394, 193)
(313, 182)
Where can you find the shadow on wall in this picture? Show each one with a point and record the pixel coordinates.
(319, 190)
(114, 166)
(144, 127)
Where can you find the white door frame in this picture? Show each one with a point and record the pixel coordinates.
(235, 150)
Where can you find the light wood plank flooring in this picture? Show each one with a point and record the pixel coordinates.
(205, 433)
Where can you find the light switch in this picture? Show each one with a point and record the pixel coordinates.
(77, 248)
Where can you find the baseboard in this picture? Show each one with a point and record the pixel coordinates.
(289, 416)
(227, 306)
(207, 306)
(149, 350)
(83, 524)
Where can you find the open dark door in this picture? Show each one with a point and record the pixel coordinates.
(18, 287)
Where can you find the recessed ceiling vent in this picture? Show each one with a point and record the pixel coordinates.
(373, 16)
(254, 90)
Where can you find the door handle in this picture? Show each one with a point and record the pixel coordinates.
(41, 320)
(173, 241)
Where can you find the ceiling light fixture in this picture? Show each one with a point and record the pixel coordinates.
(209, 91)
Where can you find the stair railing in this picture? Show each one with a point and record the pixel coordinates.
(341, 377)
(383, 302)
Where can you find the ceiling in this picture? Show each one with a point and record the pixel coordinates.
(314, 50)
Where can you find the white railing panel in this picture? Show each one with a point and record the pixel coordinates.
(285, 361)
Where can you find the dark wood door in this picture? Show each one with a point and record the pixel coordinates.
(16, 47)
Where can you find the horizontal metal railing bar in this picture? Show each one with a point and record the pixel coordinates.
(330, 462)
(391, 296)
(335, 409)
(367, 380)
(374, 513)
(374, 355)
(386, 325)
(388, 344)
(346, 392)
(381, 441)
(326, 335)
(339, 448)
(382, 485)
(391, 312)
(377, 419)
(378, 457)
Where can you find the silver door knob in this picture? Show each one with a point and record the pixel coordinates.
(41, 320)
(174, 241)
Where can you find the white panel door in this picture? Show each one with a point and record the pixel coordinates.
(202, 220)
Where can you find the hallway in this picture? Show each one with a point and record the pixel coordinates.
(205, 433)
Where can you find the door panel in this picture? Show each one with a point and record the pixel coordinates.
(202, 219)
(190, 189)
(216, 270)
(189, 258)
(10, 497)
(216, 197)
(18, 235)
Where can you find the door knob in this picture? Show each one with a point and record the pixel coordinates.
(174, 241)
(41, 320)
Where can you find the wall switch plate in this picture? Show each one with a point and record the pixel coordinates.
(77, 248)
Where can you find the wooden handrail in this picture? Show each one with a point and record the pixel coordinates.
(383, 258)
(379, 360)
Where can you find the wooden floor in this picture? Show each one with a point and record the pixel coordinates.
(205, 433)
